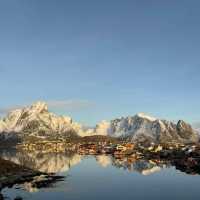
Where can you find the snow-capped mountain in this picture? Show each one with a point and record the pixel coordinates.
(142, 127)
(38, 121)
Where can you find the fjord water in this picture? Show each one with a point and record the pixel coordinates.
(103, 177)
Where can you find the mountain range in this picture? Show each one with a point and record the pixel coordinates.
(36, 120)
(142, 127)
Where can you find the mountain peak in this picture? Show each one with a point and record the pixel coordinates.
(39, 106)
(36, 120)
(145, 116)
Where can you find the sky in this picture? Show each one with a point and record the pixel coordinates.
(95, 60)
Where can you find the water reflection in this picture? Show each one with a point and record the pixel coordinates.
(104, 160)
(44, 162)
(144, 167)
(105, 178)
(62, 162)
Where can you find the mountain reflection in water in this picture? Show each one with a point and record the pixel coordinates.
(62, 162)
(105, 177)
(44, 162)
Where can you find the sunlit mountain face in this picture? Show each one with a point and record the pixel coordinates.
(38, 122)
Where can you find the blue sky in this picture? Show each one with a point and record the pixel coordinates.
(105, 58)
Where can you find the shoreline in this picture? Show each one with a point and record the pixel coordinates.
(12, 174)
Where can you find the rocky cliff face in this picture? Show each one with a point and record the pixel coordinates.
(36, 120)
(143, 128)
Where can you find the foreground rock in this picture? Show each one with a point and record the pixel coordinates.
(11, 174)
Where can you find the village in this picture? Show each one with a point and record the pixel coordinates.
(118, 150)
(185, 157)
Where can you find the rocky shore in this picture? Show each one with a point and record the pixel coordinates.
(11, 174)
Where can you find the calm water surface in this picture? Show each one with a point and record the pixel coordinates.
(103, 177)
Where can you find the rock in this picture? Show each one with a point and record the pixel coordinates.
(1, 197)
(18, 198)
(184, 130)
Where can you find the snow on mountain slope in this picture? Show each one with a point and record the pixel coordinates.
(142, 127)
(38, 121)
(145, 116)
(126, 125)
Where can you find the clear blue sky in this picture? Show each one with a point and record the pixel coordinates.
(121, 57)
